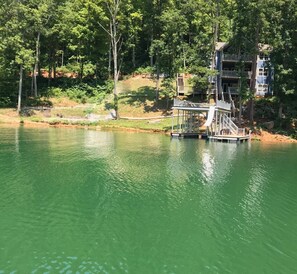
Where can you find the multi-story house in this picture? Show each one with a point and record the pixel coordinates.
(227, 82)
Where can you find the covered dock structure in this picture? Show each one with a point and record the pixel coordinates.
(206, 121)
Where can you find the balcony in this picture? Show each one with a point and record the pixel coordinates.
(233, 90)
(235, 74)
(236, 57)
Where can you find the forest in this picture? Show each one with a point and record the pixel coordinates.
(83, 47)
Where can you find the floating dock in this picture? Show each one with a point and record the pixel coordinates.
(229, 139)
(188, 135)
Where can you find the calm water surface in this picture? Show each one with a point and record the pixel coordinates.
(76, 201)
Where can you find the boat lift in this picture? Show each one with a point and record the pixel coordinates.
(218, 125)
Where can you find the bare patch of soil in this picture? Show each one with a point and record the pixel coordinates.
(267, 137)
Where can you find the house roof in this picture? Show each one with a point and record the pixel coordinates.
(220, 45)
(262, 47)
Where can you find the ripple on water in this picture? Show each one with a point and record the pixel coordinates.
(79, 201)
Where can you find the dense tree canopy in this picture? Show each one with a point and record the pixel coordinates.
(102, 39)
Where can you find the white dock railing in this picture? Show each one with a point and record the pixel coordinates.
(228, 127)
(223, 105)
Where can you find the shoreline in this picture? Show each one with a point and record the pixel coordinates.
(264, 137)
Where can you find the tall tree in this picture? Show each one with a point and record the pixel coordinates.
(248, 33)
(282, 35)
(16, 43)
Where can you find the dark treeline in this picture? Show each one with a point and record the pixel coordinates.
(99, 40)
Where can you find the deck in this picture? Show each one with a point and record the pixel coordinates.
(188, 135)
(229, 138)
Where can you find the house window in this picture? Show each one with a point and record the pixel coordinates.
(262, 88)
(263, 72)
(263, 56)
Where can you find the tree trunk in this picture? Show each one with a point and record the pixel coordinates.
(109, 61)
(240, 110)
(151, 56)
(215, 39)
(32, 83)
(158, 77)
(20, 89)
(115, 61)
(115, 79)
(280, 110)
(254, 73)
(81, 69)
(54, 69)
(133, 57)
(36, 65)
(240, 89)
(253, 87)
(113, 8)
(157, 85)
(49, 74)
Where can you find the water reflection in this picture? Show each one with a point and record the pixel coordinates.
(212, 161)
(90, 201)
(251, 203)
(98, 144)
(17, 139)
(218, 160)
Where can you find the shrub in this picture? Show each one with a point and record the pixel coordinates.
(76, 93)
(5, 102)
(144, 70)
(265, 108)
(54, 92)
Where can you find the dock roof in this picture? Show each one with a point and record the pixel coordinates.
(188, 105)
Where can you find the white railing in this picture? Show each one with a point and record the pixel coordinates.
(180, 103)
(227, 123)
(227, 127)
(223, 105)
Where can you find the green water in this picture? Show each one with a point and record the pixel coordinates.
(76, 201)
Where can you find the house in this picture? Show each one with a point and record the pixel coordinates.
(227, 82)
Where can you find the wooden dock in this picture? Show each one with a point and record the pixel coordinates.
(229, 138)
(188, 135)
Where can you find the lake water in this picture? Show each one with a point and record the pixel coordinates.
(78, 201)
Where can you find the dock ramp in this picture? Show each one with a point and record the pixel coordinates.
(210, 116)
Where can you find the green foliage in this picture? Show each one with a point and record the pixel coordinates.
(168, 90)
(154, 37)
(84, 93)
(81, 93)
(144, 70)
(5, 102)
(266, 109)
(54, 92)
(200, 81)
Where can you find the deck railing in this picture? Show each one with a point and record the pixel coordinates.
(228, 127)
(235, 74)
(233, 90)
(180, 103)
(236, 57)
(230, 73)
(223, 105)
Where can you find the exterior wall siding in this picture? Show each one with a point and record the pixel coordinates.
(264, 74)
